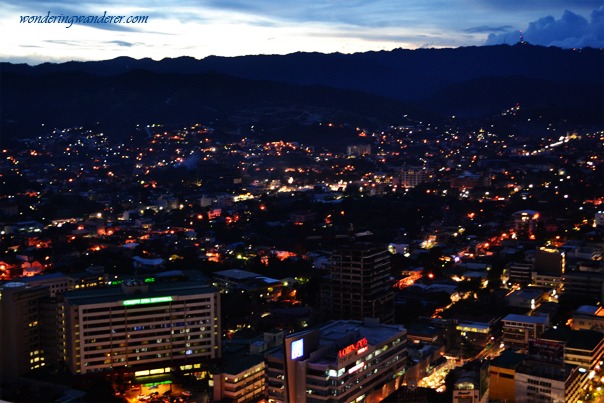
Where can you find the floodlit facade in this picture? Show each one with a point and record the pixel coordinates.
(537, 382)
(145, 329)
(502, 386)
(343, 361)
(588, 318)
(519, 330)
(544, 376)
(241, 381)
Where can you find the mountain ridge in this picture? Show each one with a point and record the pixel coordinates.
(469, 81)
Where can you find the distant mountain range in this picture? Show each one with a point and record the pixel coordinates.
(277, 91)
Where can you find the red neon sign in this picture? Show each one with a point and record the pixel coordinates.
(358, 347)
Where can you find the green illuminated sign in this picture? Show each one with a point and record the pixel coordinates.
(157, 383)
(146, 301)
(147, 280)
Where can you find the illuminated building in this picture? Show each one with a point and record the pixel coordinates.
(549, 267)
(58, 283)
(469, 180)
(301, 217)
(20, 333)
(241, 381)
(584, 283)
(476, 333)
(343, 361)
(142, 328)
(520, 273)
(233, 278)
(502, 386)
(358, 150)
(599, 219)
(543, 376)
(528, 297)
(525, 222)
(358, 287)
(519, 330)
(588, 318)
(584, 348)
(472, 386)
(410, 177)
(253, 283)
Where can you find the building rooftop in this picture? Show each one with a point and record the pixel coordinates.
(575, 339)
(336, 331)
(115, 294)
(242, 363)
(545, 370)
(423, 329)
(338, 334)
(236, 274)
(43, 277)
(508, 359)
(537, 320)
(527, 292)
(587, 310)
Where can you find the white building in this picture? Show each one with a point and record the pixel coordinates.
(343, 361)
(145, 329)
(519, 330)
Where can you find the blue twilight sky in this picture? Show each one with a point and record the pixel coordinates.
(199, 28)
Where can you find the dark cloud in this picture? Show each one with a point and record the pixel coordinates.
(486, 29)
(516, 6)
(570, 31)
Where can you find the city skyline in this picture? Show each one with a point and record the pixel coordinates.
(266, 27)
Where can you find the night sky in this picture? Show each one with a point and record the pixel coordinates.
(241, 27)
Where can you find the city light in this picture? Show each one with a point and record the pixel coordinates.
(142, 301)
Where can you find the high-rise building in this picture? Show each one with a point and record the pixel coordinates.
(549, 262)
(502, 386)
(358, 286)
(242, 380)
(584, 283)
(20, 334)
(520, 272)
(410, 177)
(358, 150)
(525, 222)
(142, 328)
(343, 361)
(544, 377)
(583, 348)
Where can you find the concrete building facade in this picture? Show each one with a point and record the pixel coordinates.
(145, 329)
(21, 343)
(343, 361)
(358, 287)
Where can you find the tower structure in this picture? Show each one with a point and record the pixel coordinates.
(358, 287)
